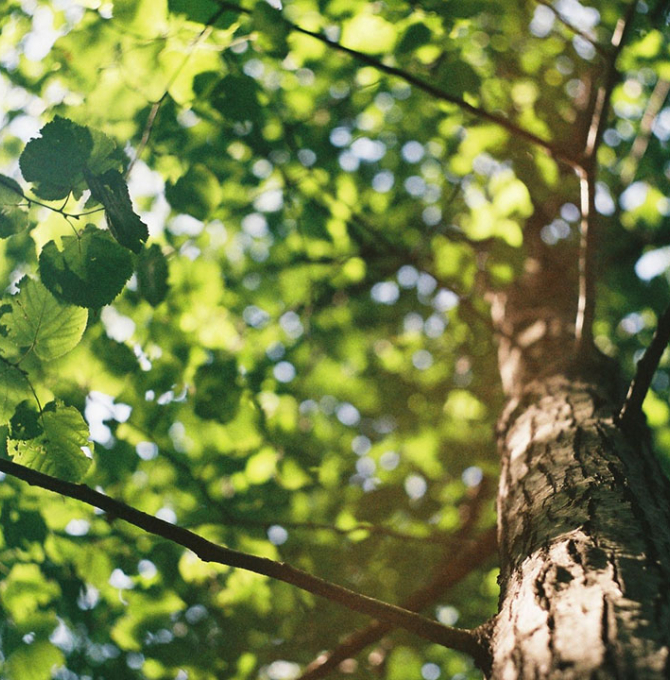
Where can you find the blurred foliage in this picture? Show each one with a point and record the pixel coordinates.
(302, 364)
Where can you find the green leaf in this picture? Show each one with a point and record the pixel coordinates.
(38, 321)
(10, 191)
(415, 36)
(217, 395)
(57, 451)
(197, 193)
(105, 155)
(56, 160)
(273, 29)
(90, 270)
(33, 662)
(12, 217)
(25, 423)
(111, 190)
(152, 275)
(202, 11)
(14, 389)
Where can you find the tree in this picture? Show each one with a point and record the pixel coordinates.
(287, 291)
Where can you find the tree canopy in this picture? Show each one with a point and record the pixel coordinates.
(248, 254)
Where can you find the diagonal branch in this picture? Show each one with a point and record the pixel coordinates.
(644, 372)
(572, 28)
(553, 150)
(449, 574)
(453, 638)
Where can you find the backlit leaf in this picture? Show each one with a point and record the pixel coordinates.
(111, 190)
(89, 270)
(57, 451)
(14, 389)
(55, 161)
(39, 322)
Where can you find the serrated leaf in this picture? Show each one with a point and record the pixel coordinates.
(104, 154)
(38, 321)
(89, 270)
(111, 190)
(25, 423)
(56, 160)
(152, 275)
(14, 389)
(57, 451)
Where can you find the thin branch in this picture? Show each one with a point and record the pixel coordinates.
(644, 372)
(34, 201)
(572, 28)
(155, 107)
(604, 93)
(420, 84)
(639, 148)
(453, 638)
(587, 177)
(449, 573)
(587, 263)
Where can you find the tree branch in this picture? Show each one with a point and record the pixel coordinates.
(573, 29)
(450, 573)
(587, 176)
(644, 372)
(453, 638)
(420, 84)
(654, 105)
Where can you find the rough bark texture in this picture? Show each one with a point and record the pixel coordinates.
(584, 512)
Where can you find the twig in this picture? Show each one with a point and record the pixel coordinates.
(33, 201)
(654, 105)
(453, 638)
(553, 150)
(644, 372)
(587, 177)
(155, 107)
(572, 28)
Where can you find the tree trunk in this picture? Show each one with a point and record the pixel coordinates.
(583, 507)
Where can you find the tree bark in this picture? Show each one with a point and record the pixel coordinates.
(583, 506)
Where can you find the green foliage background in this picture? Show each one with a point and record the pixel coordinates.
(300, 363)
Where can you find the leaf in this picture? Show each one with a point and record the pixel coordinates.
(217, 395)
(33, 662)
(56, 160)
(152, 275)
(273, 29)
(197, 193)
(37, 320)
(89, 271)
(14, 389)
(25, 423)
(415, 36)
(12, 217)
(57, 451)
(10, 191)
(111, 190)
(202, 11)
